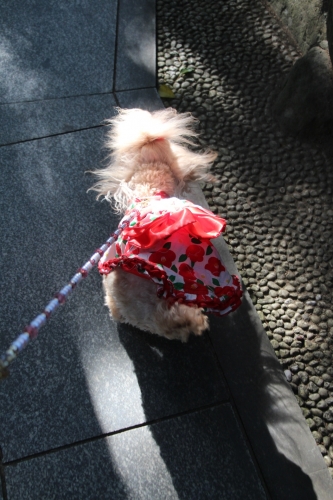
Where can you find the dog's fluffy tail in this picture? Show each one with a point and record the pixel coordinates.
(138, 137)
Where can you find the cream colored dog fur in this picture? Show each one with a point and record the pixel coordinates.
(142, 164)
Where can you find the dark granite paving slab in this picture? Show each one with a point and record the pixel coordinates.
(56, 48)
(136, 51)
(196, 456)
(140, 98)
(82, 377)
(31, 120)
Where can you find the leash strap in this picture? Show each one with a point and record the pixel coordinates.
(30, 332)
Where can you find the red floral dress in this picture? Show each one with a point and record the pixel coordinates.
(168, 242)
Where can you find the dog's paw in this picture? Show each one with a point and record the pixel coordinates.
(200, 322)
(183, 321)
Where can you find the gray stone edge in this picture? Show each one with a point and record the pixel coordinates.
(292, 427)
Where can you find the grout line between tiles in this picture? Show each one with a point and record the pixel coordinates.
(153, 87)
(74, 96)
(119, 431)
(52, 135)
(3, 478)
(116, 50)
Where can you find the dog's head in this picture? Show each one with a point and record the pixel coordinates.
(151, 148)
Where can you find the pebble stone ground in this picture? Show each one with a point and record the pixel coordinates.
(274, 190)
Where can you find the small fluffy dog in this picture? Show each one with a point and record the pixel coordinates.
(163, 274)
